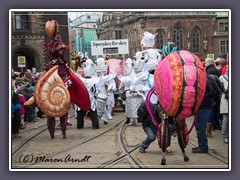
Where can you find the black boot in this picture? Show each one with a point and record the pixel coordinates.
(64, 135)
(127, 121)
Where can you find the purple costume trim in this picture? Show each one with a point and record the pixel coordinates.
(148, 107)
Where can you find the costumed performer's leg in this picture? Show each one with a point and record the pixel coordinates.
(94, 118)
(127, 107)
(80, 118)
(63, 125)
(105, 116)
(51, 126)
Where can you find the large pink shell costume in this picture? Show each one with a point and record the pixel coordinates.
(116, 65)
(180, 81)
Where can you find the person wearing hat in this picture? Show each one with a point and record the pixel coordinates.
(223, 63)
(210, 68)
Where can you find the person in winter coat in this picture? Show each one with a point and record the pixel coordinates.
(203, 116)
(22, 110)
(224, 106)
(214, 123)
(15, 115)
(149, 127)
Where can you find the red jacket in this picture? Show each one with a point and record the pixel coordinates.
(223, 69)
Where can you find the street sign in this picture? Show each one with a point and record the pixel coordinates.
(211, 56)
(110, 47)
(21, 61)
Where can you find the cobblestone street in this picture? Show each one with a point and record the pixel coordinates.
(100, 148)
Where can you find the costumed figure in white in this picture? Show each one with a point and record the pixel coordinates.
(151, 59)
(126, 81)
(90, 82)
(89, 68)
(136, 93)
(151, 56)
(110, 103)
(106, 86)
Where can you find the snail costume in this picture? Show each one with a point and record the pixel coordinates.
(50, 93)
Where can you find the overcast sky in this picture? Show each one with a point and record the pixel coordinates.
(72, 15)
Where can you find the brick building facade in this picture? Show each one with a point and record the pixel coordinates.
(28, 34)
(196, 31)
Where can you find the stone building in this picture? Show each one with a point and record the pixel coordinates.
(28, 34)
(201, 32)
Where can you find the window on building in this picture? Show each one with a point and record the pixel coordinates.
(88, 17)
(223, 26)
(195, 39)
(224, 46)
(159, 40)
(178, 36)
(118, 34)
(21, 21)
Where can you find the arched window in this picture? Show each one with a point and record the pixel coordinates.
(178, 36)
(159, 39)
(195, 39)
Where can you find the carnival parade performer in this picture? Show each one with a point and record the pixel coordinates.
(56, 53)
(126, 81)
(106, 86)
(136, 93)
(151, 56)
(168, 49)
(110, 89)
(90, 82)
(50, 92)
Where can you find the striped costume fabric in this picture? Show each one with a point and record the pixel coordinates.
(180, 81)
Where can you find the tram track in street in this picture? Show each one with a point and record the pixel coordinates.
(125, 152)
(121, 150)
(69, 148)
(39, 128)
(213, 153)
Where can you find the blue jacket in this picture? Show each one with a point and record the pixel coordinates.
(15, 102)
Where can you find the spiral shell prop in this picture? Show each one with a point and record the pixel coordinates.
(180, 81)
(52, 28)
(52, 97)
